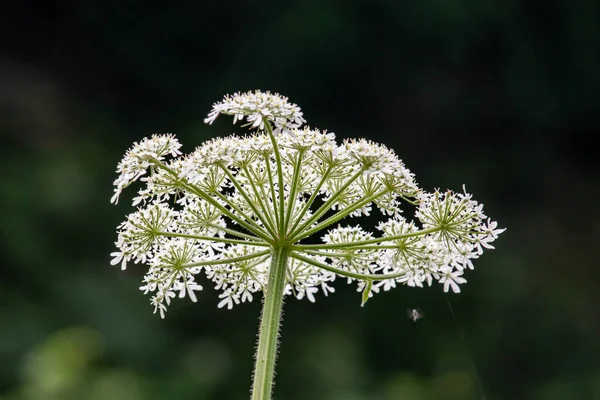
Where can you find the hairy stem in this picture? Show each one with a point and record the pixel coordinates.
(266, 353)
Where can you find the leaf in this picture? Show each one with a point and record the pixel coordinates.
(366, 292)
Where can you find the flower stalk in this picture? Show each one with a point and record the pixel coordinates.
(237, 211)
(268, 336)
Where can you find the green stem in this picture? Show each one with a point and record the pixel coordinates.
(264, 369)
(233, 232)
(272, 187)
(359, 243)
(312, 198)
(205, 196)
(339, 215)
(293, 189)
(249, 201)
(212, 239)
(326, 206)
(227, 260)
(348, 274)
(280, 181)
(261, 196)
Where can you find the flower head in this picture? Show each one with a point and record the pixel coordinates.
(222, 210)
(139, 158)
(257, 107)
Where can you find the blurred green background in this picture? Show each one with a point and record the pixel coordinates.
(500, 95)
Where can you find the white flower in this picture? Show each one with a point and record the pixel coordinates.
(355, 260)
(119, 256)
(488, 233)
(139, 158)
(256, 107)
(451, 279)
(228, 299)
(309, 292)
(219, 213)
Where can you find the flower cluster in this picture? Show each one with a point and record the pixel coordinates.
(256, 108)
(139, 158)
(223, 209)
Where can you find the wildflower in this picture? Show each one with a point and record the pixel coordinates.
(223, 210)
(139, 158)
(256, 108)
(239, 211)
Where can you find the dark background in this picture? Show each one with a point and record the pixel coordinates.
(500, 95)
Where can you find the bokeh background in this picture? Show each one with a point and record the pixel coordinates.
(500, 95)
